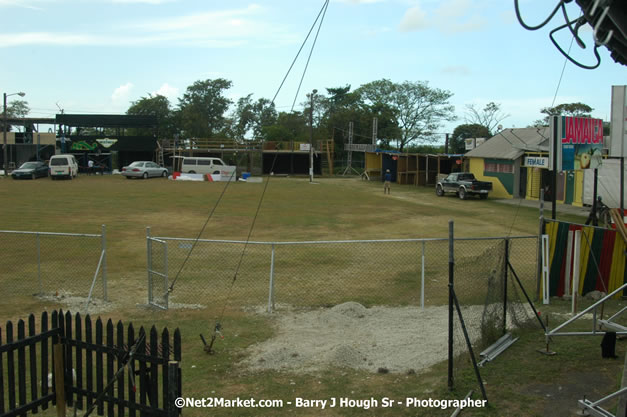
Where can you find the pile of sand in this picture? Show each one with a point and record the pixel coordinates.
(395, 339)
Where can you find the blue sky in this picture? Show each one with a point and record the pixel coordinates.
(97, 56)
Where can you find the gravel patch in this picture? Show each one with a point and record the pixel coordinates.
(349, 335)
(78, 304)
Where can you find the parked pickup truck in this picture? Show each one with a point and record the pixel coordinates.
(463, 184)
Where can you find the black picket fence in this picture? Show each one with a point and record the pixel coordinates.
(101, 367)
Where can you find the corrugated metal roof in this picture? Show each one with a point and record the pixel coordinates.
(512, 143)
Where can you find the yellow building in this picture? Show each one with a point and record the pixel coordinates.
(516, 161)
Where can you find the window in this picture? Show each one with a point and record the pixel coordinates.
(189, 161)
(58, 161)
(217, 162)
(498, 167)
(204, 162)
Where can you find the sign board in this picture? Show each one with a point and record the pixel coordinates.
(536, 162)
(579, 142)
(470, 143)
(304, 146)
(107, 142)
(618, 132)
(479, 141)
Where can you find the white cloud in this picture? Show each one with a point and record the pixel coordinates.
(214, 29)
(457, 70)
(19, 3)
(122, 93)
(215, 21)
(360, 1)
(167, 91)
(414, 19)
(143, 1)
(452, 16)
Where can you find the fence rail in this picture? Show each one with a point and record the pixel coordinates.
(318, 273)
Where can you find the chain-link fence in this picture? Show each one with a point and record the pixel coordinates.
(396, 272)
(52, 265)
(491, 283)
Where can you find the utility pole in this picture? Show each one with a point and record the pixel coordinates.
(311, 170)
(4, 131)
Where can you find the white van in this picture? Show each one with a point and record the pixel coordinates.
(213, 166)
(63, 166)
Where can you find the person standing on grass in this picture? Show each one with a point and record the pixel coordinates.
(387, 180)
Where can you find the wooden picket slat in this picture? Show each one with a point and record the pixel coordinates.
(21, 368)
(10, 367)
(142, 376)
(89, 368)
(177, 357)
(153, 387)
(132, 387)
(78, 331)
(120, 364)
(44, 359)
(69, 371)
(55, 339)
(32, 359)
(165, 354)
(99, 366)
(110, 372)
(1, 377)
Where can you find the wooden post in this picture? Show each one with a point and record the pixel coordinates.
(173, 370)
(59, 382)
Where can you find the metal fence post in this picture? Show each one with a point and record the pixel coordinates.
(41, 285)
(539, 252)
(149, 263)
(422, 278)
(271, 287)
(451, 273)
(505, 285)
(104, 262)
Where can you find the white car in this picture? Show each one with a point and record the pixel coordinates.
(144, 169)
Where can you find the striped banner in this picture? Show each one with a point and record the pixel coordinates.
(601, 261)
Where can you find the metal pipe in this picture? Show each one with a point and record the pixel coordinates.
(104, 262)
(451, 273)
(617, 314)
(602, 300)
(319, 242)
(41, 285)
(271, 288)
(54, 234)
(422, 278)
(149, 263)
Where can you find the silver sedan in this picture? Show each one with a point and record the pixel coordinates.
(144, 169)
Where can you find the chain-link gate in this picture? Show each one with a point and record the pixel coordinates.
(157, 257)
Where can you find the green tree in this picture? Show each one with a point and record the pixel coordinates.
(489, 117)
(566, 109)
(158, 106)
(293, 126)
(415, 110)
(456, 143)
(203, 107)
(253, 117)
(16, 109)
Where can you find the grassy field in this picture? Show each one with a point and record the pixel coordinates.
(521, 382)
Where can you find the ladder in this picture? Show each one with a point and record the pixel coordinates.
(160, 160)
